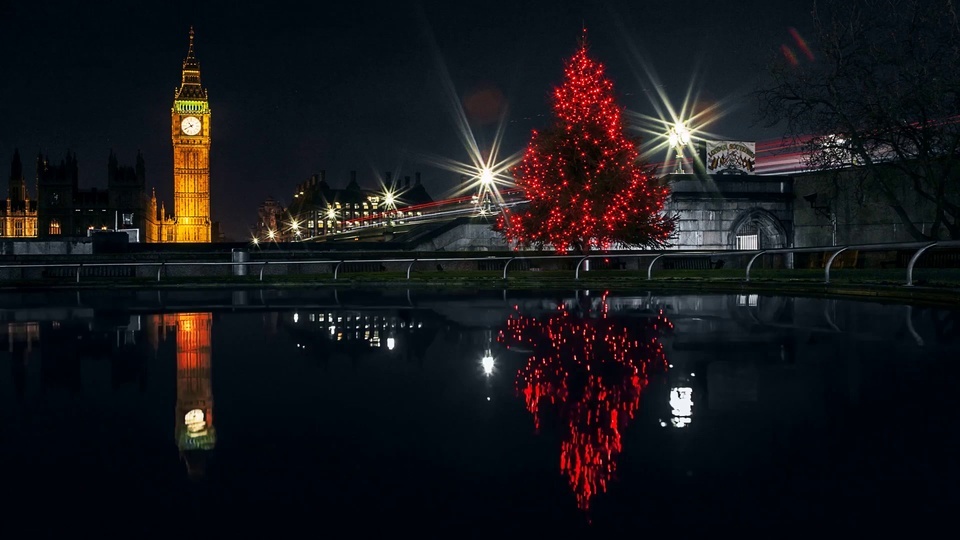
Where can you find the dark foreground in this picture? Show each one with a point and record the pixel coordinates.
(469, 414)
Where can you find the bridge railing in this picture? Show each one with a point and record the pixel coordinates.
(582, 261)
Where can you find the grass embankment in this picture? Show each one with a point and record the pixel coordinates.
(937, 286)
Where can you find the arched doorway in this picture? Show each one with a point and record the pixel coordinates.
(757, 229)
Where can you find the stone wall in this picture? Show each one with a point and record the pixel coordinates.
(467, 237)
(711, 208)
(862, 214)
(75, 246)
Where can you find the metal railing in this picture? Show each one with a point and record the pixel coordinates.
(582, 260)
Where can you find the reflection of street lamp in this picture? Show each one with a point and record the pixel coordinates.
(679, 138)
(487, 362)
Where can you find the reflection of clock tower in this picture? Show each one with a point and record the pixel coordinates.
(195, 432)
(191, 155)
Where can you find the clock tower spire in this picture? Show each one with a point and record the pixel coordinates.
(190, 128)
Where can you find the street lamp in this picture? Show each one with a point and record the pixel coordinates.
(389, 207)
(679, 138)
(486, 177)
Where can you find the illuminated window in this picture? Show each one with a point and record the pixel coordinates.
(18, 228)
(55, 227)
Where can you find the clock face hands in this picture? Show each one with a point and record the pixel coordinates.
(190, 125)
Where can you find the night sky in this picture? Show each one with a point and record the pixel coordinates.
(365, 86)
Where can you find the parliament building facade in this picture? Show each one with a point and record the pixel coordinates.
(62, 209)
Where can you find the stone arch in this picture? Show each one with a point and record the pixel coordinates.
(771, 232)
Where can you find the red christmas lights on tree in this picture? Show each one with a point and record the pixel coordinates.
(592, 370)
(583, 176)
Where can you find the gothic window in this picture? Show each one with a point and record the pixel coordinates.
(18, 228)
(54, 227)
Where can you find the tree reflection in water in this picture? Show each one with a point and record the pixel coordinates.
(591, 369)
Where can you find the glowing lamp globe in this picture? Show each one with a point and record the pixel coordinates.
(486, 177)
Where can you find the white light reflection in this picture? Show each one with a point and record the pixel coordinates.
(195, 421)
(681, 403)
(296, 317)
(487, 362)
(391, 343)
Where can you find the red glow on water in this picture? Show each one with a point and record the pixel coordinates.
(592, 370)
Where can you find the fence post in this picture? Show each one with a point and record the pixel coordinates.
(507, 266)
(409, 268)
(750, 264)
(336, 269)
(262, 268)
(826, 271)
(913, 260)
(79, 266)
(650, 268)
(576, 274)
(159, 270)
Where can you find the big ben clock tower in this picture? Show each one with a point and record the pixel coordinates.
(190, 125)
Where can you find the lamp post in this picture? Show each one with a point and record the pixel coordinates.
(389, 207)
(679, 138)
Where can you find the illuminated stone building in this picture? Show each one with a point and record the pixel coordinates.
(190, 130)
(18, 217)
(194, 432)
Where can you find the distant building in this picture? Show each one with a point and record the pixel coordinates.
(63, 209)
(18, 217)
(318, 209)
(269, 220)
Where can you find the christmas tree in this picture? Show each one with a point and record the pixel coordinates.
(586, 185)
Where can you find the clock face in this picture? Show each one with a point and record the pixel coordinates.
(194, 420)
(190, 125)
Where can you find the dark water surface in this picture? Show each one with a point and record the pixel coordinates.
(475, 413)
